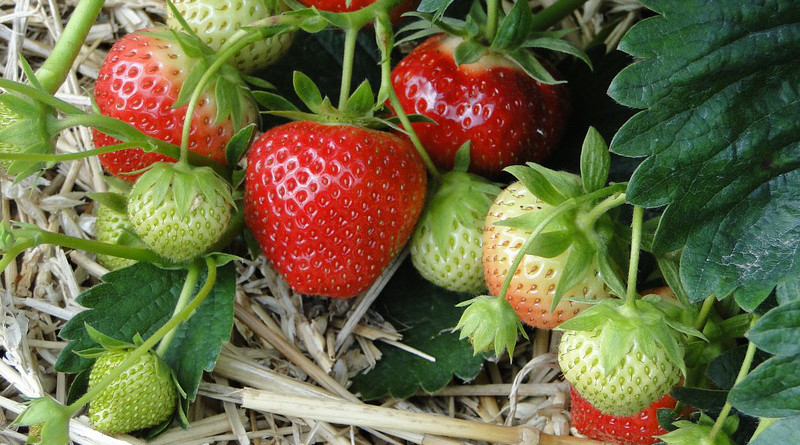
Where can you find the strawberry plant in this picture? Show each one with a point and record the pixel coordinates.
(696, 194)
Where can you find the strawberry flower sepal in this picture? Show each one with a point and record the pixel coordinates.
(490, 323)
(49, 418)
(689, 433)
(23, 130)
(621, 356)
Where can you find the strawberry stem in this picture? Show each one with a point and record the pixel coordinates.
(554, 13)
(63, 157)
(385, 42)
(492, 19)
(636, 243)
(743, 371)
(555, 213)
(350, 36)
(186, 292)
(600, 209)
(148, 344)
(704, 311)
(56, 67)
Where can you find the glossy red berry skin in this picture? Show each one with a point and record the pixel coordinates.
(638, 429)
(139, 83)
(509, 117)
(331, 205)
(355, 5)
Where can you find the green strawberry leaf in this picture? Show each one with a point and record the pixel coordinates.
(138, 300)
(771, 390)
(788, 291)
(595, 161)
(514, 28)
(778, 432)
(426, 314)
(437, 7)
(724, 369)
(239, 144)
(778, 330)
(720, 136)
(704, 399)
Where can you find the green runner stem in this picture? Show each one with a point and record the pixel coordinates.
(351, 36)
(492, 18)
(555, 13)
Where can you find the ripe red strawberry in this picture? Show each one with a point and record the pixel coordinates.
(215, 21)
(637, 429)
(533, 287)
(355, 5)
(509, 116)
(139, 83)
(330, 205)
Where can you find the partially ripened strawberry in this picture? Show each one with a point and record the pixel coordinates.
(534, 283)
(637, 429)
(330, 205)
(510, 117)
(139, 83)
(215, 21)
(178, 211)
(144, 395)
(110, 226)
(355, 5)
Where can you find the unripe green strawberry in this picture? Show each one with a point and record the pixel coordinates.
(178, 211)
(215, 21)
(144, 395)
(110, 226)
(446, 245)
(629, 388)
(622, 356)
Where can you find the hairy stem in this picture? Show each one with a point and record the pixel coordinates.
(142, 349)
(351, 34)
(133, 253)
(63, 157)
(604, 206)
(386, 41)
(555, 213)
(555, 13)
(636, 243)
(743, 371)
(56, 67)
(186, 292)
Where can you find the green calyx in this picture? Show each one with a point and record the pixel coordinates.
(23, 130)
(490, 323)
(514, 35)
(625, 328)
(700, 433)
(359, 108)
(52, 418)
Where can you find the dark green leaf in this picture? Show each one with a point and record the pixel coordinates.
(239, 144)
(435, 7)
(705, 399)
(513, 30)
(79, 386)
(138, 300)
(551, 244)
(750, 297)
(428, 313)
(595, 161)
(778, 331)
(362, 100)
(724, 369)
(771, 390)
(720, 135)
(779, 432)
(307, 91)
(788, 291)
(468, 51)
